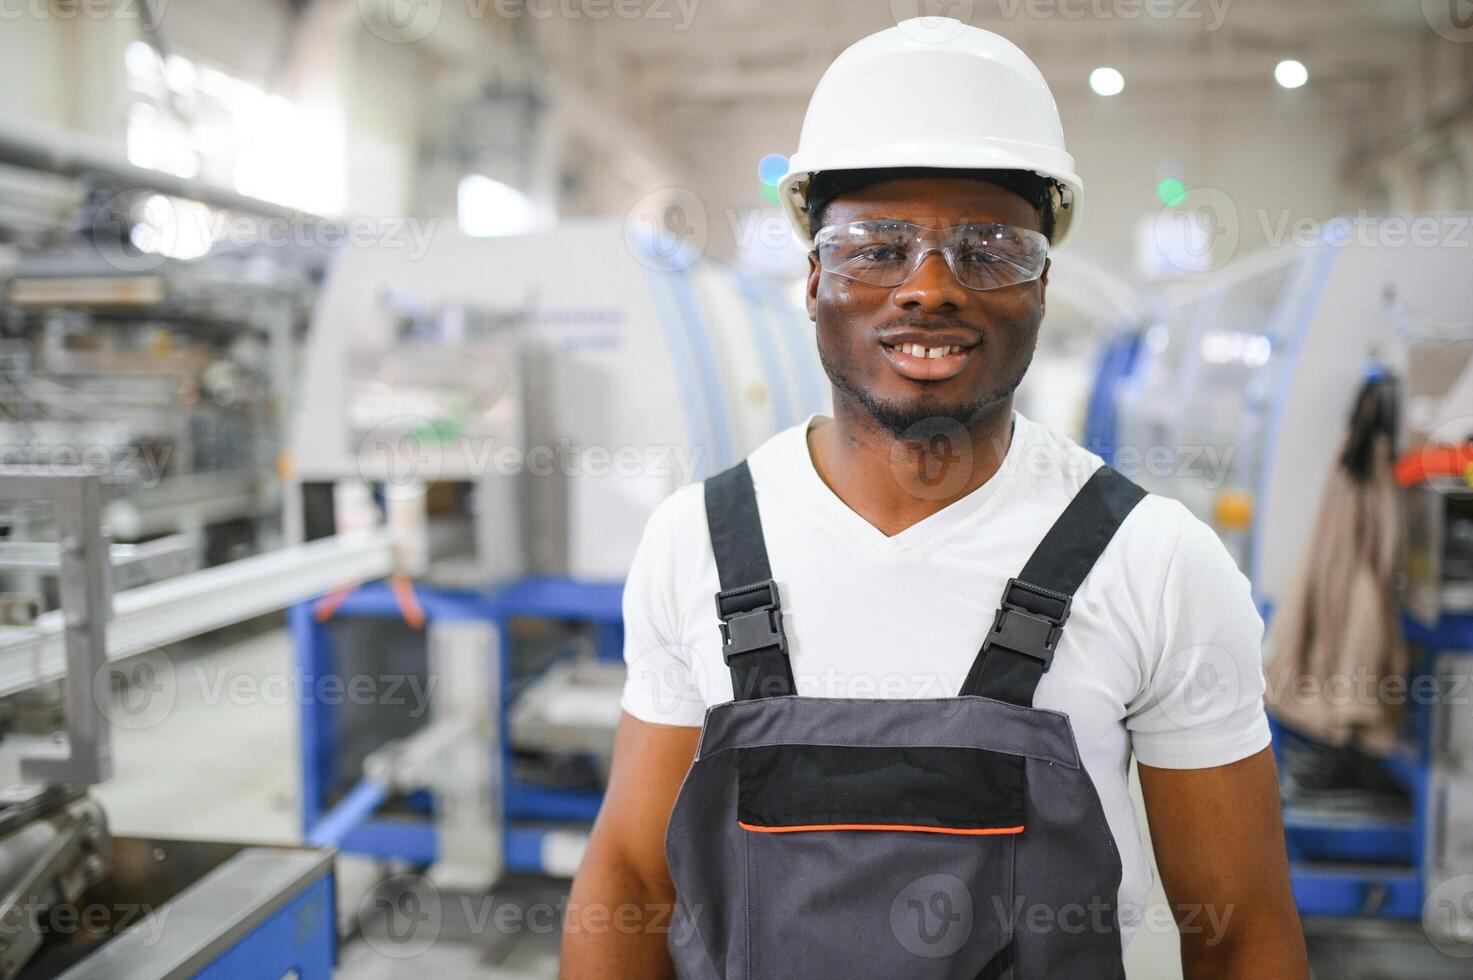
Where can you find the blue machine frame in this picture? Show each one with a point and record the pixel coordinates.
(529, 811)
(1117, 359)
(1384, 865)
(300, 940)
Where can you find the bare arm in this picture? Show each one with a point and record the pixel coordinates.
(1219, 840)
(622, 900)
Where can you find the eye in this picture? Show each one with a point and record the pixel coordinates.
(883, 252)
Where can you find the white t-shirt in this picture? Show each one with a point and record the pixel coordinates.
(1161, 655)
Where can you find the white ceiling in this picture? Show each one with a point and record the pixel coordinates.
(745, 50)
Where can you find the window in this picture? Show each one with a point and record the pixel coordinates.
(486, 208)
(196, 121)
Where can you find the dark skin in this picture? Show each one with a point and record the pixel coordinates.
(1217, 833)
(885, 477)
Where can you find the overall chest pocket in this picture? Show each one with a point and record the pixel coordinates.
(879, 862)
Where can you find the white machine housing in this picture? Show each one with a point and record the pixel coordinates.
(1261, 363)
(583, 352)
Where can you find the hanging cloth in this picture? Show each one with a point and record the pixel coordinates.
(1336, 637)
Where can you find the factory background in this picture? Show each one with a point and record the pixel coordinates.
(345, 345)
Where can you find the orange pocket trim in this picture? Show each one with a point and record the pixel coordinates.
(965, 831)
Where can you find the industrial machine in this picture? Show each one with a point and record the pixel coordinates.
(149, 327)
(170, 379)
(617, 371)
(1088, 304)
(76, 900)
(474, 434)
(167, 380)
(1236, 401)
(1237, 394)
(1191, 414)
(512, 409)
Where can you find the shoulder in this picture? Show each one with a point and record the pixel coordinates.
(683, 504)
(1051, 464)
(1162, 540)
(681, 516)
(777, 464)
(671, 553)
(676, 523)
(1161, 525)
(1158, 533)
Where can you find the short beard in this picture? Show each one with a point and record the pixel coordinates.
(900, 419)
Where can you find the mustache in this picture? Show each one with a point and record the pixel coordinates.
(921, 322)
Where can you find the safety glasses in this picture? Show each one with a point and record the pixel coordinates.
(983, 255)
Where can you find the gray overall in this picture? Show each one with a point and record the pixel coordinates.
(861, 839)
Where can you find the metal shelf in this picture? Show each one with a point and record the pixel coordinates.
(544, 829)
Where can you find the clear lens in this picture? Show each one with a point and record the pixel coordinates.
(887, 253)
(992, 256)
(881, 253)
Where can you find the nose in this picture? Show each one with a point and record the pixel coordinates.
(931, 287)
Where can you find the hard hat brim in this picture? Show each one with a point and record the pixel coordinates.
(994, 155)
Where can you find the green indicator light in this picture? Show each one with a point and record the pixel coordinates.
(769, 193)
(1171, 192)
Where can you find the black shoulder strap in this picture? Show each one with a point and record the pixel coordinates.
(1025, 633)
(751, 617)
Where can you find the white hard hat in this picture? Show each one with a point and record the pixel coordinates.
(932, 92)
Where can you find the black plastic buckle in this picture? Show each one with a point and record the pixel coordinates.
(1020, 630)
(755, 628)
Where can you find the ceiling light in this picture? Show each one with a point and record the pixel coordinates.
(1290, 73)
(1106, 81)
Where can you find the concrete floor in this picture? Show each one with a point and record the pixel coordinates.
(232, 774)
(212, 764)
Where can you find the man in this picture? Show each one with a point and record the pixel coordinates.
(920, 809)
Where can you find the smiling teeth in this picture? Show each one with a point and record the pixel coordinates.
(916, 350)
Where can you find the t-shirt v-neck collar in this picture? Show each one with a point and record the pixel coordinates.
(944, 521)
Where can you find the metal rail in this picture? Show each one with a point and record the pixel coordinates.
(36, 147)
(165, 612)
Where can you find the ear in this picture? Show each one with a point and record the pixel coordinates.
(1043, 288)
(811, 294)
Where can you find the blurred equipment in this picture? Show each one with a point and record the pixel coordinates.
(149, 336)
(1233, 401)
(1192, 397)
(55, 845)
(971, 127)
(176, 908)
(1437, 468)
(75, 900)
(1095, 318)
(167, 378)
(512, 409)
(564, 382)
(85, 905)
